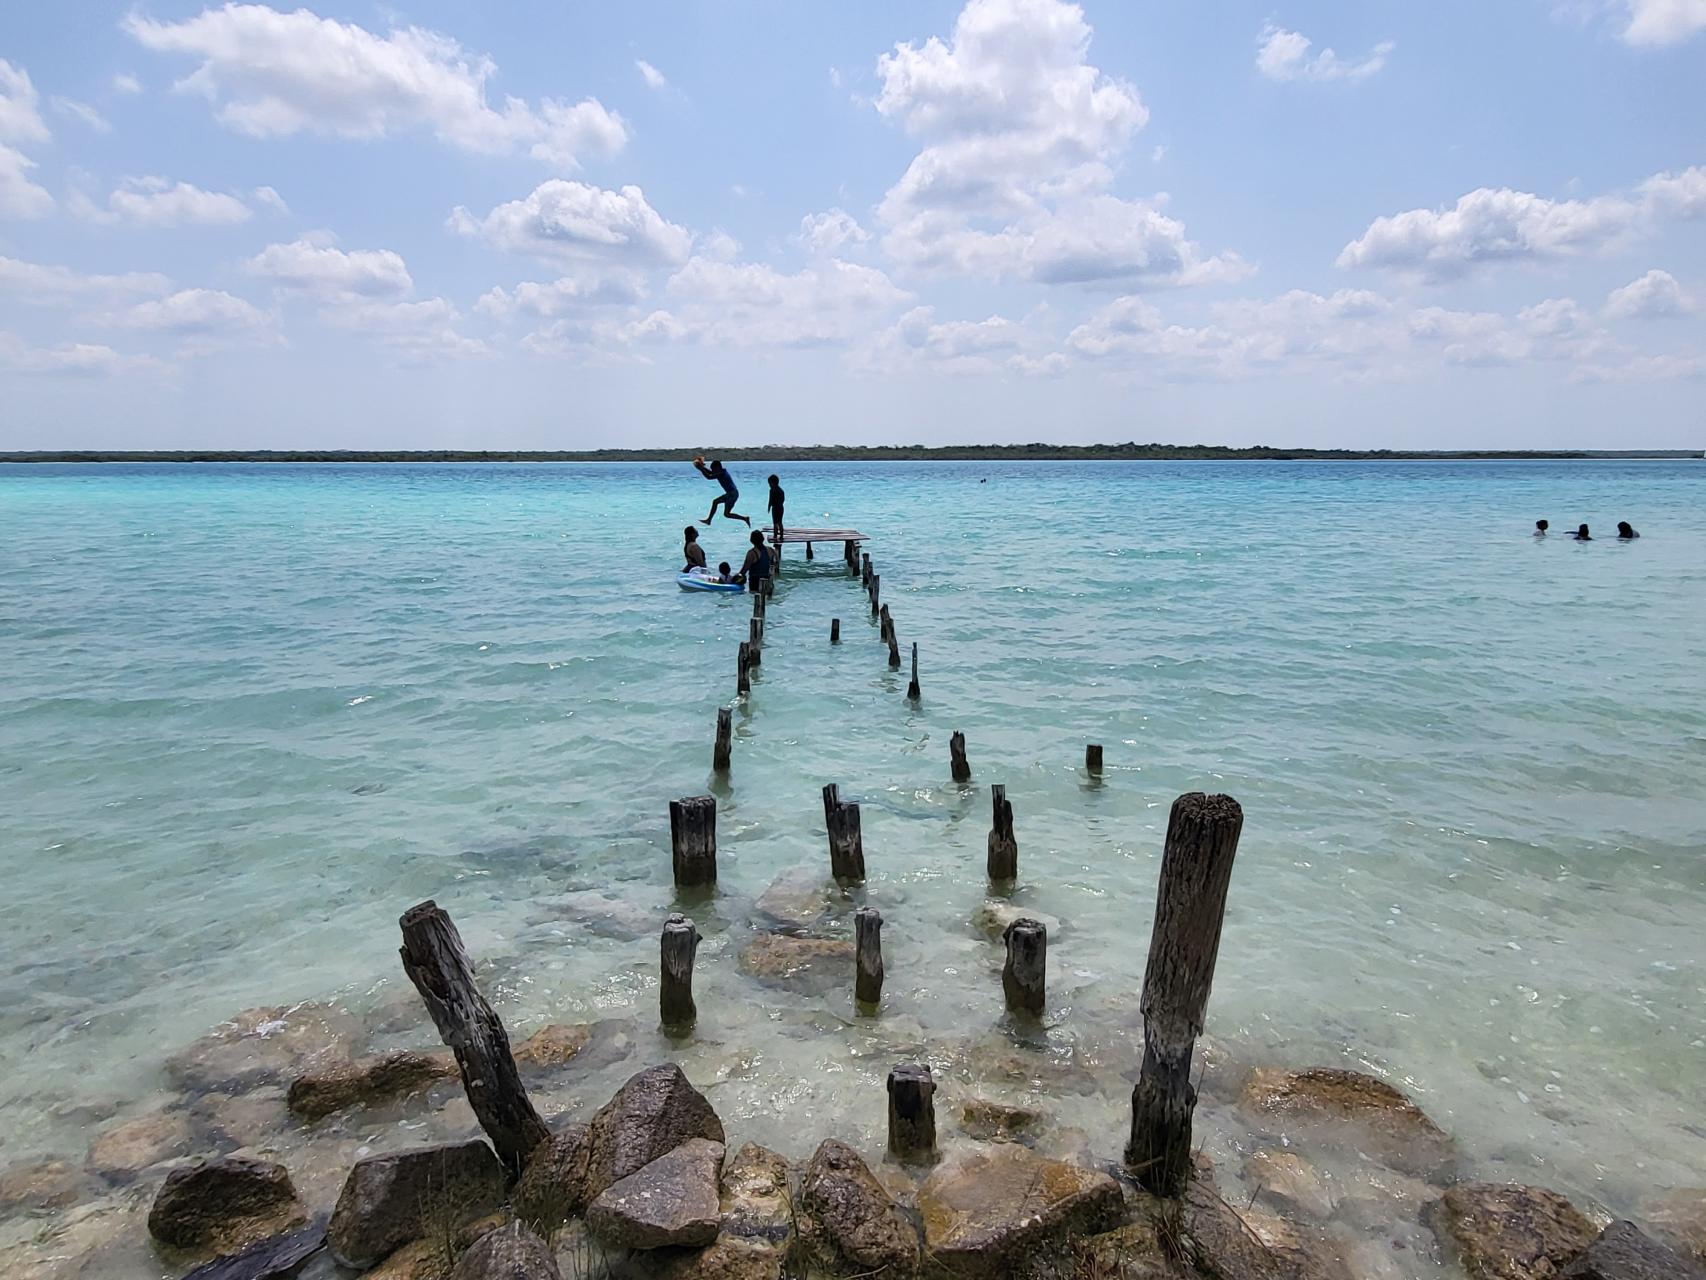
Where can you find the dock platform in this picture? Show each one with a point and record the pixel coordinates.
(816, 535)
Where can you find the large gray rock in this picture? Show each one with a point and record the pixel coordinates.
(365, 1081)
(757, 1232)
(670, 1202)
(509, 1253)
(1622, 1252)
(846, 1217)
(987, 1207)
(1679, 1216)
(1354, 1110)
(651, 1115)
(553, 1186)
(224, 1204)
(1510, 1232)
(389, 1200)
(265, 1046)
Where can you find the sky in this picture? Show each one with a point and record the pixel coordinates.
(562, 225)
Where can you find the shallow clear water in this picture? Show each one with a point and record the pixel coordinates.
(251, 713)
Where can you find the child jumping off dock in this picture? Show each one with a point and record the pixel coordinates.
(729, 495)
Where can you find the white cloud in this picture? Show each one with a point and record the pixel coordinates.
(269, 199)
(315, 268)
(81, 112)
(272, 74)
(1677, 195)
(200, 313)
(1654, 295)
(19, 196)
(60, 286)
(418, 332)
(829, 232)
(751, 304)
(69, 359)
(124, 82)
(654, 78)
(20, 107)
(1662, 22)
(573, 223)
(969, 347)
(1018, 133)
(1284, 55)
(158, 202)
(568, 295)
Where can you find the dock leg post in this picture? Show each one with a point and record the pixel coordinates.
(957, 757)
(675, 994)
(755, 642)
(846, 842)
(808, 551)
(725, 734)
(743, 681)
(1093, 759)
(1003, 848)
(912, 1112)
(876, 582)
(868, 957)
(835, 630)
(912, 689)
(1024, 975)
(693, 840)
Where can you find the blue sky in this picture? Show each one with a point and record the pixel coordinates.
(567, 225)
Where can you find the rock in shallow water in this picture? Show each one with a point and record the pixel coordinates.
(670, 1202)
(365, 1081)
(1355, 1109)
(652, 1114)
(1509, 1232)
(1622, 1252)
(985, 1208)
(797, 900)
(509, 1253)
(41, 1184)
(1679, 1216)
(551, 1047)
(389, 1200)
(757, 1232)
(266, 1045)
(224, 1204)
(806, 963)
(1286, 1179)
(553, 1186)
(991, 1121)
(126, 1149)
(274, 1258)
(846, 1217)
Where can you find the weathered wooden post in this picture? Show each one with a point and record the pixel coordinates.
(1003, 848)
(693, 840)
(865, 568)
(725, 734)
(957, 757)
(868, 956)
(835, 630)
(876, 581)
(894, 653)
(675, 992)
(1024, 975)
(849, 551)
(1196, 868)
(755, 645)
(743, 682)
(912, 1112)
(846, 843)
(885, 624)
(1093, 759)
(912, 689)
(437, 963)
(808, 551)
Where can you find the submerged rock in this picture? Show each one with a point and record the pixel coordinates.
(605, 914)
(274, 1258)
(126, 1149)
(1680, 1217)
(652, 1114)
(42, 1184)
(553, 1186)
(1357, 1109)
(365, 1081)
(265, 1046)
(509, 1253)
(994, 915)
(848, 1219)
(991, 1121)
(1286, 1179)
(670, 1202)
(1508, 1231)
(551, 1047)
(389, 1200)
(1623, 1252)
(810, 963)
(224, 1204)
(986, 1208)
(245, 1119)
(797, 900)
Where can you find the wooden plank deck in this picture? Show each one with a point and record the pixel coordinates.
(819, 535)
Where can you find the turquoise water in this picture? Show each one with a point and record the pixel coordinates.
(251, 713)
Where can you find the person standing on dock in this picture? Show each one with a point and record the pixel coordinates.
(775, 504)
(729, 496)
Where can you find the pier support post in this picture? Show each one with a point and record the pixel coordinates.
(885, 624)
(865, 568)
(912, 1112)
(743, 682)
(755, 642)
(894, 653)
(1093, 759)
(437, 963)
(1024, 976)
(876, 582)
(675, 993)
(957, 756)
(1196, 868)
(693, 840)
(808, 551)
(846, 843)
(868, 956)
(835, 630)
(725, 735)
(912, 688)
(1003, 848)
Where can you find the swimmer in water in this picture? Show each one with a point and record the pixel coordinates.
(1581, 534)
(756, 567)
(692, 550)
(1625, 532)
(1540, 528)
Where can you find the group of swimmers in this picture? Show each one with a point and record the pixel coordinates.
(1625, 532)
(758, 563)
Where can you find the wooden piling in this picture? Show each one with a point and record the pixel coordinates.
(679, 943)
(957, 754)
(1023, 977)
(808, 551)
(868, 956)
(846, 842)
(725, 736)
(835, 630)
(755, 645)
(743, 682)
(912, 688)
(894, 653)
(1196, 868)
(693, 840)
(865, 568)
(437, 963)
(1003, 848)
(912, 1112)
(876, 580)
(1093, 759)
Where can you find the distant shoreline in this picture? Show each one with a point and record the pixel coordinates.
(848, 453)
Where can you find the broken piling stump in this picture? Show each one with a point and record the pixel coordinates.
(868, 956)
(1024, 976)
(835, 630)
(693, 840)
(437, 964)
(1003, 848)
(912, 1112)
(1196, 869)
(725, 735)
(679, 944)
(1093, 759)
(743, 663)
(846, 842)
(957, 756)
(754, 645)
(912, 688)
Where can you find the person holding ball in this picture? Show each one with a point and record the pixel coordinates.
(729, 495)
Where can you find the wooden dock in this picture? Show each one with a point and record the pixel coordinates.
(817, 535)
